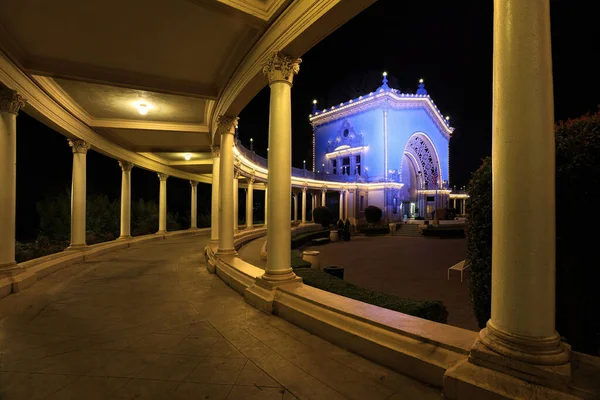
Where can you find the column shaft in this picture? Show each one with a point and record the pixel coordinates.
(78, 193)
(250, 204)
(226, 213)
(523, 260)
(346, 205)
(162, 204)
(10, 103)
(303, 206)
(295, 218)
(214, 204)
(194, 205)
(125, 199)
(324, 198)
(342, 205)
(235, 203)
(266, 203)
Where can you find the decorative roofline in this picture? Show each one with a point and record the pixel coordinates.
(398, 101)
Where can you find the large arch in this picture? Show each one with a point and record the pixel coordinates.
(422, 154)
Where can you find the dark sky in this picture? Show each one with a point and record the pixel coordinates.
(449, 44)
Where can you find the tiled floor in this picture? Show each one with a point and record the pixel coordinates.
(151, 323)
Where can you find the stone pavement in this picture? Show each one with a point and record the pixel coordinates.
(150, 322)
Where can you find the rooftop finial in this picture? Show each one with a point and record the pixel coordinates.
(385, 81)
(314, 107)
(421, 89)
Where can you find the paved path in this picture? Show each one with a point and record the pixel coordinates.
(250, 252)
(413, 267)
(151, 323)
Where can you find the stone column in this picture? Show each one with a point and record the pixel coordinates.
(162, 204)
(194, 210)
(522, 324)
(342, 205)
(280, 70)
(78, 193)
(266, 202)
(313, 197)
(125, 199)
(250, 204)
(236, 210)
(295, 206)
(323, 198)
(214, 203)
(304, 206)
(226, 129)
(10, 104)
(346, 204)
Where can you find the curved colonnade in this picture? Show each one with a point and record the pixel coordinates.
(519, 345)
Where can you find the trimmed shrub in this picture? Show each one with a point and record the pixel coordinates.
(431, 310)
(479, 240)
(323, 216)
(577, 178)
(373, 214)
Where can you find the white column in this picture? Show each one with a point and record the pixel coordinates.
(235, 201)
(266, 203)
(162, 204)
(214, 204)
(10, 104)
(303, 206)
(250, 204)
(313, 197)
(125, 199)
(342, 205)
(194, 202)
(226, 129)
(346, 203)
(295, 206)
(522, 325)
(78, 193)
(280, 71)
(323, 198)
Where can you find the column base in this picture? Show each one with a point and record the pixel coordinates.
(9, 269)
(124, 237)
(226, 252)
(193, 228)
(467, 381)
(262, 293)
(77, 247)
(161, 232)
(249, 227)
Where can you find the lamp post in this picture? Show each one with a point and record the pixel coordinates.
(251, 144)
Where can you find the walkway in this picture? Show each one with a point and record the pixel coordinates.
(149, 322)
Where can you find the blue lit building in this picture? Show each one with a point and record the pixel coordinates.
(393, 145)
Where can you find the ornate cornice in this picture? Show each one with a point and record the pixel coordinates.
(281, 67)
(162, 177)
(79, 146)
(215, 150)
(226, 124)
(125, 165)
(10, 101)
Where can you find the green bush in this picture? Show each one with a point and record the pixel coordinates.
(431, 310)
(577, 178)
(304, 238)
(479, 240)
(323, 216)
(373, 214)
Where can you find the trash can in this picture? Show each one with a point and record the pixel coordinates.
(334, 235)
(312, 256)
(335, 270)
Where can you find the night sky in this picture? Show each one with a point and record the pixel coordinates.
(448, 44)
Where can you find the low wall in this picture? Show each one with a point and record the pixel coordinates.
(31, 271)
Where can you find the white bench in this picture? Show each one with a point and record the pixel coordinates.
(461, 266)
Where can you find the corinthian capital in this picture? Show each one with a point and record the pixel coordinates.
(79, 146)
(281, 67)
(10, 101)
(215, 150)
(226, 124)
(125, 165)
(162, 177)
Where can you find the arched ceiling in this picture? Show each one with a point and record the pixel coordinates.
(185, 61)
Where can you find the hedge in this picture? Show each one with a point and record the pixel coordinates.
(577, 272)
(426, 309)
(373, 214)
(323, 216)
(304, 238)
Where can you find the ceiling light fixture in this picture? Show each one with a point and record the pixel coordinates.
(187, 156)
(142, 108)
